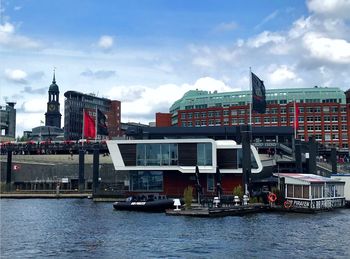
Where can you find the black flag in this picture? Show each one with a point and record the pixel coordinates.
(101, 124)
(259, 98)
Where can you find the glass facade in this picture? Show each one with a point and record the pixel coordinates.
(146, 181)
(156, 154)
(204, 154)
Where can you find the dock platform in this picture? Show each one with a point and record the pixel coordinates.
(218, 212)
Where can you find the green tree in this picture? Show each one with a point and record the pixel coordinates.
(238, 191)
(188, 196)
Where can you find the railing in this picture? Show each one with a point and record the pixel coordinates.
(318, 204)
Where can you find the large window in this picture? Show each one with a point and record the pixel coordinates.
(204, 154)
(146, 181)
(156, 154)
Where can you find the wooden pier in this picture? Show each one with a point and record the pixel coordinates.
(219, 211)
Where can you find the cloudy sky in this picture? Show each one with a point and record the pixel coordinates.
(147, 54)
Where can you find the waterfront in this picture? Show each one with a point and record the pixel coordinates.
(77, 228)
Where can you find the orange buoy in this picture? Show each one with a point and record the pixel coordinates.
(272, 197)
(287, 204)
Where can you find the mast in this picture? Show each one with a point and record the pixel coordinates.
(251, 97)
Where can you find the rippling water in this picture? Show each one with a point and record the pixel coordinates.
(84, 229)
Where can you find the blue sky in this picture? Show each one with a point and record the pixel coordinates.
(149, 53)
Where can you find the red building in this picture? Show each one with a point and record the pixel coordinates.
(322, 112)
(113, 119)
(163, 119)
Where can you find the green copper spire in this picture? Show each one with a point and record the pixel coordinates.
(54, 79)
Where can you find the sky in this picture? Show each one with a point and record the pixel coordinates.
(148, 53)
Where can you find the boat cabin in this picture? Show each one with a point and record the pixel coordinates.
(168, 166)
(311, 191)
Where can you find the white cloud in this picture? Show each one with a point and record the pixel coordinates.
(264, 38)
(16, 75)
(283, 74)
(333, 50)
(37, 105)
(22, 122)
(106, 42)
(141, 100)
(10, 39)
(332, 8)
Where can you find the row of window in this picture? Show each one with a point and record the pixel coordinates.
(268, 111)
(257, 120)
(325, 127)
(167, 154)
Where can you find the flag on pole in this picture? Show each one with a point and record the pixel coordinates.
(101, 124)
(258, 92)
(89, 126)
(296, 116)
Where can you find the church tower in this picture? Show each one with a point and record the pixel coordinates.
(53, 115)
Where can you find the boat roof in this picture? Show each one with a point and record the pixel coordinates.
(306, 178)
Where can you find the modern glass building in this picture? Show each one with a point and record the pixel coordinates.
(322, 112)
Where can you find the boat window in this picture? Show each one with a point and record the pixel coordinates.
(204, 154)
(146, 181)
(157, 154)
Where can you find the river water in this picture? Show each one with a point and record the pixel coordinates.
(80, 228)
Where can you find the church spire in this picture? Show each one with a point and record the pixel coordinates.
(54, 79)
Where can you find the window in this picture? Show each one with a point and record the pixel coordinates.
(146, 181)
(156, 154)
(210, 183)
(204, 154)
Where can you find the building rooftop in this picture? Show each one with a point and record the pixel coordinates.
(197, 99)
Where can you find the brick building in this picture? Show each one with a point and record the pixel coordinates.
(322, 112)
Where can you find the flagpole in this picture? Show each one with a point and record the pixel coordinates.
(295, 118)
(82, 132)
(251, 96)
(96, 124)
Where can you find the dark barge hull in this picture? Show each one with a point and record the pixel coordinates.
(146, 206)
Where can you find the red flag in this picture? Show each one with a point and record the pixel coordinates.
(296, 116)
(89, 126)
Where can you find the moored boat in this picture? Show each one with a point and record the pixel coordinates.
(145, 203)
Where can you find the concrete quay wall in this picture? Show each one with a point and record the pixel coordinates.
(44, 172)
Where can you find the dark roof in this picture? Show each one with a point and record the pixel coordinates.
(219, 131)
